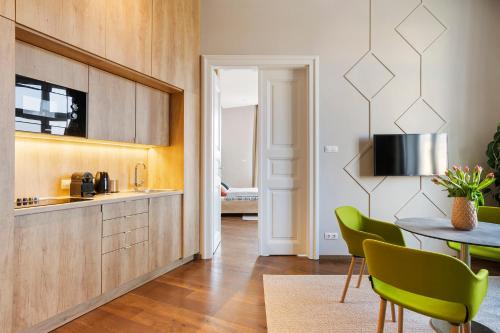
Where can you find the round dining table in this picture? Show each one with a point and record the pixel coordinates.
(486, 234)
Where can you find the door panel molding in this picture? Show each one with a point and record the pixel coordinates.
(311, 63)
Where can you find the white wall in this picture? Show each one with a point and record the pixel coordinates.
(238, 145)
(452, 86)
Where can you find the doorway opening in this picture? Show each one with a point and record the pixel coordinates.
(235, 154)
(271, 157)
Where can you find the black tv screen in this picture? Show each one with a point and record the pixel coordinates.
(410, 154)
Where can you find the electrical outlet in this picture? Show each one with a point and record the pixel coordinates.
(331, 235)
(65, 184)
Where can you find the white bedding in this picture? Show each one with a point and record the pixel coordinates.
(242, 193)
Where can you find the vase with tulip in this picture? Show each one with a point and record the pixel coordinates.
(466, 186)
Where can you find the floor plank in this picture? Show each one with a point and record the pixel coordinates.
(222, 295)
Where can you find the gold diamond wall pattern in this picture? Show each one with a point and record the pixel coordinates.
(369, 76)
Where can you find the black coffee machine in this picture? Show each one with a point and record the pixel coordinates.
(82, 185)
(102, 182)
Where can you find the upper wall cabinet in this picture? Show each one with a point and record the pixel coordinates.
(175, 36)
(8, 8)
(111, 108)
(46, 66)
(128, 33)
(152, 113)
(77, 22)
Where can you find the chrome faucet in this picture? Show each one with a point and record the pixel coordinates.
(138, 183)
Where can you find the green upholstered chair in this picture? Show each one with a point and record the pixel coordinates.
(484, 214)
(433, 284)
(355, 228)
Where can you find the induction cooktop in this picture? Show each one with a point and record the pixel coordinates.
(47, 202)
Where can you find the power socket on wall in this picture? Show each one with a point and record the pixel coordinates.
(331, 235)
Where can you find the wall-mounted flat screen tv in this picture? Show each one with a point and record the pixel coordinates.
(410, 154)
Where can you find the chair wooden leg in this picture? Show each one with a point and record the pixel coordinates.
(393, 313)
(466, 328)
(454, 329)
(348, 280)
(400, 319)
(363, 263)
(381, 316)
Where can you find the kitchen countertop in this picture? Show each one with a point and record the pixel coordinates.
(97, 200)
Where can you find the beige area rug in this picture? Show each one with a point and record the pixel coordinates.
(310, 303)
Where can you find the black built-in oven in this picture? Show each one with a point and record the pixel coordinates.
(43, 107)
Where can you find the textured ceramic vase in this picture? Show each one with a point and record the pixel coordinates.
(463, 214)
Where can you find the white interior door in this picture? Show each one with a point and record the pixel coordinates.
(283, 166)
(217, 166)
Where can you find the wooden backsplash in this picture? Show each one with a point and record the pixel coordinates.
(42, 164)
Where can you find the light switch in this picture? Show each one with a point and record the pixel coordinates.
(330, 149)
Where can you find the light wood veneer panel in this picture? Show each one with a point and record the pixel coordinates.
(7, 83)
(121, 266)
(57, 263)
(128, 33)
(8, 8)
(78, 22)
(175, 40)
(124, 224)
(43, 65)
(191, 226)
(51, 44)
(152, 116)
(165, 230)
(111, 109)
(120, 209)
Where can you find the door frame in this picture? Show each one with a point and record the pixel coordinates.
(212, 62)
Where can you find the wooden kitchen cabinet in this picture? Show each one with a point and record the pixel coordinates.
(8, 8)
(57, 263)
(165, 230)
(152, 116)
(7, 185)
(175, 40)
(111, 107)
(128, 33)
(43, 65)
(123, 265)
(77, 22)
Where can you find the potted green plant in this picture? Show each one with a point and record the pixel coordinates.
(493, 154)
(466, 187)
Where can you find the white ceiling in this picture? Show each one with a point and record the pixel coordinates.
(239, 87)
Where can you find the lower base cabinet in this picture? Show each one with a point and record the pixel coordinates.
(165, 230)
(68, 257)
(57, 263)
(123, 265)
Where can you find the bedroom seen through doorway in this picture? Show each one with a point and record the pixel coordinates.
(235, 125)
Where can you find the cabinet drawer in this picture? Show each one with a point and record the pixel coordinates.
(123, 265)
(124, 208)
(124, 239)
(124, 224)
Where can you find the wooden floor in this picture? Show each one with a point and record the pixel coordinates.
(221, 295)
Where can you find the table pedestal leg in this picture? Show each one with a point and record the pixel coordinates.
(442, 326)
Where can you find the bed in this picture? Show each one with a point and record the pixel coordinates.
(240, 201)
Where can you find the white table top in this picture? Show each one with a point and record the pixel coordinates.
(486, 234)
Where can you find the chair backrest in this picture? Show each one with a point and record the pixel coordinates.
(425, 273)
(489, 214)
(350, 223)
(349, 217)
